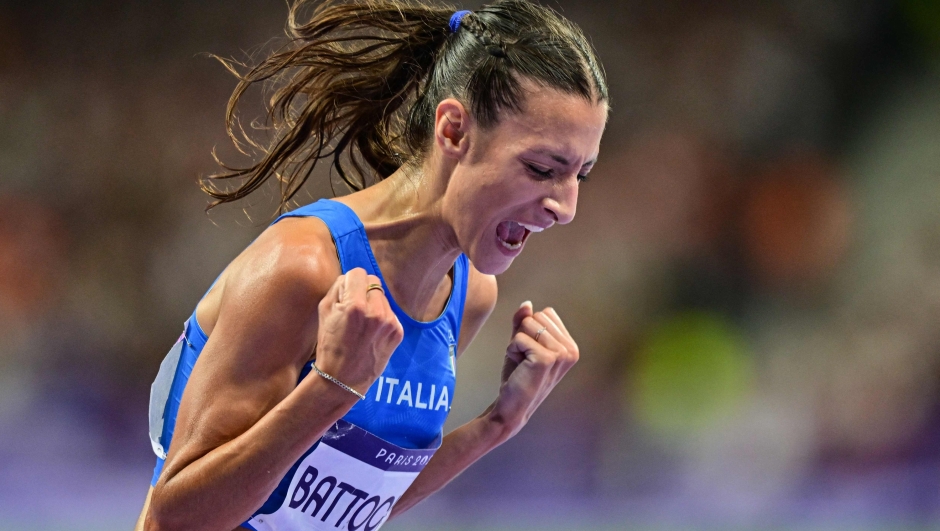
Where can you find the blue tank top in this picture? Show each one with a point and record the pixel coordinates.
(409, 402)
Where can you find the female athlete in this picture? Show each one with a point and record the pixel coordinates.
(311, 384)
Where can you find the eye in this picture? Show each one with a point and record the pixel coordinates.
(582, 178)
(541, 174)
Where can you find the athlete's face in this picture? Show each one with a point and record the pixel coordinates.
(522, 175)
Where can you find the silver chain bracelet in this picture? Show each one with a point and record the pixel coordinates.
(337, 382)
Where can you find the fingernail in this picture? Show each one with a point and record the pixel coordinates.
(524, 303)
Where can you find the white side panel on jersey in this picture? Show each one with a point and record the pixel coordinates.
(159, 393)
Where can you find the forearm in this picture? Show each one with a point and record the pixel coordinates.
(221, 489)
(460, 449)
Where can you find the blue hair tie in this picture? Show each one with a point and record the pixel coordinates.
(455, 20)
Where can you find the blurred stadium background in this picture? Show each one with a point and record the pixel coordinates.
(753, 275)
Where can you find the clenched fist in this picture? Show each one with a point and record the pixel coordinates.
(358, 330)
(538, 356)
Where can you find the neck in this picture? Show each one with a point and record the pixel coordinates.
(413, 244)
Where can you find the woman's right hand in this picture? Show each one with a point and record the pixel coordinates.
(358, 330)
(244, 419)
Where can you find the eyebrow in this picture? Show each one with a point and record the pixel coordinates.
(562, 160)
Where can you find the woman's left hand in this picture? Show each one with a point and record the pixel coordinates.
(540, 354)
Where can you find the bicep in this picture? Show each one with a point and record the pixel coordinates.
(265, 332)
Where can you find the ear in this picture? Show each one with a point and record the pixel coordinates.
(451, 124)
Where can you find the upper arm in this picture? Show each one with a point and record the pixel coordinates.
(265, 331)
(481, 299)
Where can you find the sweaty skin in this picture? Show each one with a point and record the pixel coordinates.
(284, 298)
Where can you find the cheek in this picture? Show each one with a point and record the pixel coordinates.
(480, 198)
(461, 208)
(471, 213)
(472, 194)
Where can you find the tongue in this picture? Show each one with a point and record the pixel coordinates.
(510, 232)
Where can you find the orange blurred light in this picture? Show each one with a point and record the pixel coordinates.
(796, 221)
(30, 257)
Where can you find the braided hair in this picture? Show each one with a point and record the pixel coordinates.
(360, 81)
(493, 44)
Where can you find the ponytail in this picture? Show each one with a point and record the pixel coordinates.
(340, 87)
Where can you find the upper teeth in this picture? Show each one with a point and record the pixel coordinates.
(532, 228)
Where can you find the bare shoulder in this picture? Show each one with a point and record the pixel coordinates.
(265, 330)
(298, 252)
(293, 261)
(482, 293)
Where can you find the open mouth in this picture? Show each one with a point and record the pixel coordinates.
(512, 235)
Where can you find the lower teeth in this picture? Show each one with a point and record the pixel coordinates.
(510, 246)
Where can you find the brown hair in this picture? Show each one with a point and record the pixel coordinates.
(359, 83)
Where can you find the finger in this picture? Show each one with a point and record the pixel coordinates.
(514, 356)
(565, 338)
(516, 352)
(559, 351)
(355, 285)
(398, 331)
(532, 327)
(557, 319)
(567, 344)
(531, 374)
(533, 355)
(525, 310)
(334, 294)
(549, 324)
(372, 292)
(378, 306)
(510, 362)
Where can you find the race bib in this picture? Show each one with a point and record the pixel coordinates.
(351, 480)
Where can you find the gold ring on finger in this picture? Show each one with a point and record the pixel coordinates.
(375, 286)
(537, 334)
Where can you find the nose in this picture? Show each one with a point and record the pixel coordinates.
(563, 202)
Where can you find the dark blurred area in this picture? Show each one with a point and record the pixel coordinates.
(753, 275)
